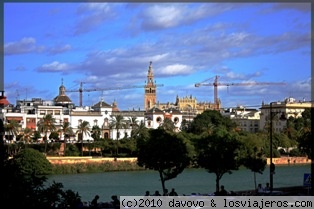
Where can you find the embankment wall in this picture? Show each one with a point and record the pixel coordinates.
(89, 159)
(71, 160)
(289, 160)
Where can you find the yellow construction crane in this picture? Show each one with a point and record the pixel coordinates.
(81, 90)
(216, 84)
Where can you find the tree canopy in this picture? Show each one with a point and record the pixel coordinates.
(209, 120)
(164, 152)
(30, 161)
(218, 154)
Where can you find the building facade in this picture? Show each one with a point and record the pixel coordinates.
(28, 113)
(247, 119)
(281, 111)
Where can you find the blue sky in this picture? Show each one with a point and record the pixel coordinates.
(109, 45)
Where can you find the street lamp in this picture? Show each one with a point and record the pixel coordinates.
(272, 165)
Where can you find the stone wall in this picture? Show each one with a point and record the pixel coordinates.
(89, 159)
(289, 160)
(72, 160)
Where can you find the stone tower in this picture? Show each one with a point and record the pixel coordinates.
(150, 89)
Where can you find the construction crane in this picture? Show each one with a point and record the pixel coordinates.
(216, 84)
(81, 90)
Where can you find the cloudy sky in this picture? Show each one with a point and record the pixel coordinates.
(110, 45)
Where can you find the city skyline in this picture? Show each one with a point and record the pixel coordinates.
(110, 45)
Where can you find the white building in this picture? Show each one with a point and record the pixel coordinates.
(29, 113)
(247, 119)
(281, 111)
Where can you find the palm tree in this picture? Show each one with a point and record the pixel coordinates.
(96, 132)
(134, 125)
(117, 123)
(168, 125)
(45, 125)
(208, 129)
(83, 129)
(27, 134)
(141, 131)
(11, 128)
(67, 130)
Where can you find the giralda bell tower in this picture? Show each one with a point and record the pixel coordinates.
(150, 89)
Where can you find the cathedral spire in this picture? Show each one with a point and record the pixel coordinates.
(150, 89)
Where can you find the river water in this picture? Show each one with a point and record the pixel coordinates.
(134, 183)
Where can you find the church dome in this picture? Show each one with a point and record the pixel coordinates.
(62, 97)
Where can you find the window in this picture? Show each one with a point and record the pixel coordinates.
(42, 112)
(49, 112)
(57, 112)
(176, 120)
(159, 120)
(106, 122)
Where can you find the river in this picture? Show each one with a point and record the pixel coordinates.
(128, 183)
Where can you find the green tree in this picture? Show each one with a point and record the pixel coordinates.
(134, 125)
(12, 129)
(165, 153)
(45, 125)
(83, 129)
(23, 183)
(140, 132)
(67, 131)
(168, 125)
(96, 131)
(54, 135)
(209, 120)
(117, 123)
(27, 133)
(306, 144)
(36, 135)
(71, 150)
(30, 161)
(218, 153)
(254, 161)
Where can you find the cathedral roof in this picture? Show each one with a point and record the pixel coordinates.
(62, 99)
(102, 104)
(155, 110)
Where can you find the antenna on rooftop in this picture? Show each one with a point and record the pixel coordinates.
(17, 95)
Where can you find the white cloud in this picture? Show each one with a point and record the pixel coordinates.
(54, 66)
(161, 16)
(176, 69)
(25, 45)
(60, 49)
(92, 15)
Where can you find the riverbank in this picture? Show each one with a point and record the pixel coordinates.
(90, 159)
(289, 160)
(89, 164)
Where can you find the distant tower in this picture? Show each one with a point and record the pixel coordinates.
(150, 89)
